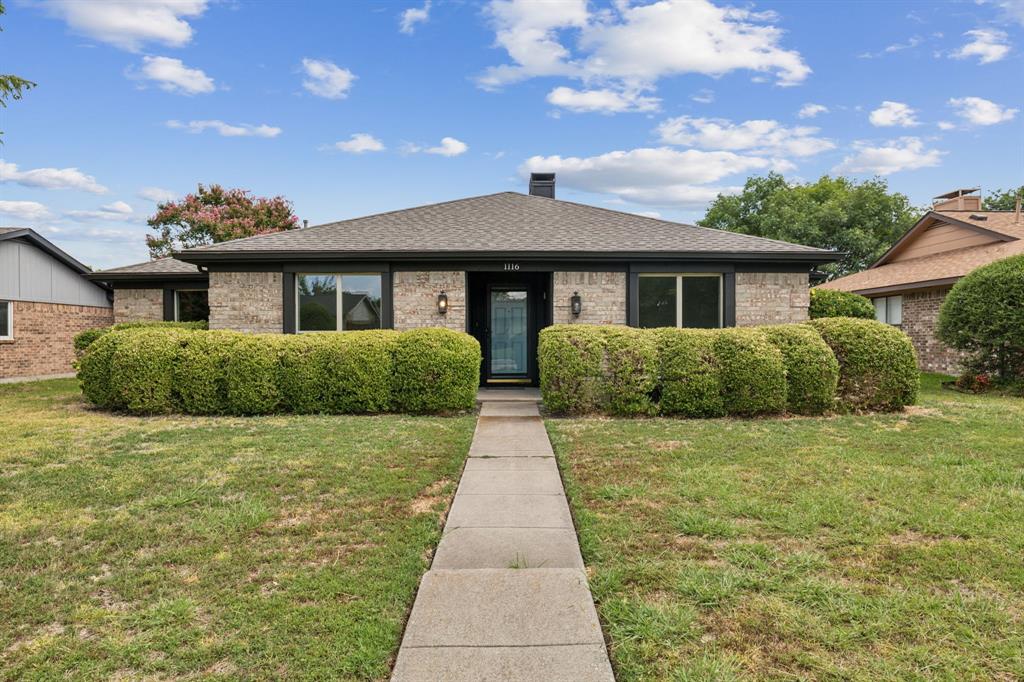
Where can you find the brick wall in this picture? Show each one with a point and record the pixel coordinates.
(414, 295)
(43, 333)
(920, 320)
(132, 305)
(771, 297)
(247, 301)
(603, 295)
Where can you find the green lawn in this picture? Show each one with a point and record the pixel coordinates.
(856, 547)
(169, 547)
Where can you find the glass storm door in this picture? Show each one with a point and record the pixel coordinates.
(509, 340)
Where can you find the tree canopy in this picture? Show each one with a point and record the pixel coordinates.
(1002, 199)
(214, 214)
(861, 219)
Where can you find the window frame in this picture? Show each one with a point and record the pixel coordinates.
(339, 302)
(9, 335)
(886, 304)
(679, 276)
(177, 302)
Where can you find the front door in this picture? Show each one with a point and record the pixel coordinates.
(509, 324)
(505, 312)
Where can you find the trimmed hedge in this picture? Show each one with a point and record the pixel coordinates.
(86, 338)
(153, 371)
(718, 372)
(877, 363)
(833, 303)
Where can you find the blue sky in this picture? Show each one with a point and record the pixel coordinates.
(358, 107)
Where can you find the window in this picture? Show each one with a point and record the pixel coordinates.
(889, 309)
(680, 301)
(338, 302)
(191, 305)
(6, 320)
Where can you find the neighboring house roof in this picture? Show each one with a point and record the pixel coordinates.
(925, 257)
(504, 224)
(161, 268)
(29, 235)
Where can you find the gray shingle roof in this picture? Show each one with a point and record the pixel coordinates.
(160, 266)
(507, 222)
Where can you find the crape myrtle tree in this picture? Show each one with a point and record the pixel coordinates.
(861, 219)
(214, 214)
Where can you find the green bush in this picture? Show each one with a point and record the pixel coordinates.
(812, 371)
(983, 315)
(571, 359)
(833, 303)
(877, 365)
(436, 370)
(752, 376)
(253, 369)
(142, 370)
(85, 338)
(688, 373)
(201, 372)
(631, 370)
(94, 371)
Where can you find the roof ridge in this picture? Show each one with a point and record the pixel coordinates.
(938, 254)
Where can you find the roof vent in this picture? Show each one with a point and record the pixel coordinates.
(542, 185)
(975, 216)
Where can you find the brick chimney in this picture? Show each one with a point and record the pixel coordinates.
(958, 200)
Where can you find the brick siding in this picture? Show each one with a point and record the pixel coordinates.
(771, 297)
(250, 302)
(134, 305)
(414, 296)
(920, 320)
(43, 334)
(603, 295)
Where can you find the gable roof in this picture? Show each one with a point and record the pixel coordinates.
(161, 268)
(941, 268)
(502, 224)
(31, 236)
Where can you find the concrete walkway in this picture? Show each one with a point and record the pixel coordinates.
(506, 597)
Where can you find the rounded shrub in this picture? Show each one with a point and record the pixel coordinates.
(142, 369)
(571, 358)
(877, 365)
(253, 368)
(833, 303)
(812, 371)
(94, 369)
(752, 375)
(85, 338)
(688, 373)
(983, 315)
(201, 372)
(436, 370)
(631, 370)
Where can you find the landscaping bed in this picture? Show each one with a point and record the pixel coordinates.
(882, 546)
(255, 548)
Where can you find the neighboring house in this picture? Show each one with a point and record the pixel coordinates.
(910, 281)
(165, 289)
(44, 302)
(501, 267)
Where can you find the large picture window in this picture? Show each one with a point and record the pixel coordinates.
(889, 309)
(329, 302)
(191, 305)
(680, 300)
(6, 320)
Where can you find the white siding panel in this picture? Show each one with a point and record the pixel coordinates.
(30, 274)
(9, 284)
(36, 275)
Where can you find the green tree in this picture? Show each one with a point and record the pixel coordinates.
(1002, 199)
(11, 87)
(861, 219)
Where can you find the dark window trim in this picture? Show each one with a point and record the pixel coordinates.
(168, 305)
(633, 293)
(290, 313)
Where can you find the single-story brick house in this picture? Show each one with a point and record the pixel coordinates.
(165, 289)
(501, 267)
(910, 281)
(44, 302)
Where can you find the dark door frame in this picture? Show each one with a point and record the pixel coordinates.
(478, 318)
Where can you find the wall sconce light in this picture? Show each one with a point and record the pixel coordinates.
(576, 304)
(442, 303)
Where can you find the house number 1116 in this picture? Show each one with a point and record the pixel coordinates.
(511, 266)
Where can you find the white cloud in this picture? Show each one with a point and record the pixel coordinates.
(703, 96)
(327, 79)
(905, 153)
(654, 176)
(129, 24)
(914, 41)
(632, 47)
(759, 136)
(227, 129)
(602, 100)
(360, 143)
(449, 147)
(413, 16)
(173, 76)
(24, 210)
(987, 44)
(893, 114)
(810, 110)
(50, 178)
(117, 210)
(946, 125)
(156, 194)
(980, 111)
